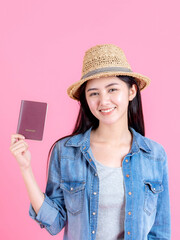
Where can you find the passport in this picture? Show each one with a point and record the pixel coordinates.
(31, 120)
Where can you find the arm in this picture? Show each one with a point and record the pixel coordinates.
(52, 214)
(19, 149)
(161, 229)
(47, 209)
(35, 195)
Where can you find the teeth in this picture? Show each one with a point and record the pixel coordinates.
(108, 110)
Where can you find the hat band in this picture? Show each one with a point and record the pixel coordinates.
(106, 69)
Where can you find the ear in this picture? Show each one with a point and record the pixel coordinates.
(132, 92)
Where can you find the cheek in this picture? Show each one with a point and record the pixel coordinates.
(92, 104)
(121, 100)
(118, 99)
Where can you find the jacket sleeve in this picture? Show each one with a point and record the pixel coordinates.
(52, 214)
(161, 229)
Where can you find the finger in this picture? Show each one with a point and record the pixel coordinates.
(20, 142)
(16, 137)
(18, 145)
(19, 151)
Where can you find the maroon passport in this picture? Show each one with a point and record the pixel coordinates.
(32, 119)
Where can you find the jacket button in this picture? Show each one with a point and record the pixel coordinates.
(95, 193)
(94, 213)
(90, 159)
(129, 233)
(93, 232)
(129, 193)
(129, 213)
(72, 188)
(126, 160)
(95, 174)
(127, 175)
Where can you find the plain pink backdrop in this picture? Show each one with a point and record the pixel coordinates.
(42, 44)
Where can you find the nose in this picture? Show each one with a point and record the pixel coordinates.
(104, 98)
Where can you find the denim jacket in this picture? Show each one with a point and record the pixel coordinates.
(72, 191)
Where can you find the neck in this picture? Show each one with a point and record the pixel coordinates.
(115, 134)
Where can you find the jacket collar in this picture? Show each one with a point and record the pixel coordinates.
(83, 140)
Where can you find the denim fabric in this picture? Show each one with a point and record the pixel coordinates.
(72, 191)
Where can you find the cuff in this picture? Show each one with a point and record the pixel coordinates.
(46, 214)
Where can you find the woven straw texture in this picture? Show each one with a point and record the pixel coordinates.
(104, 61)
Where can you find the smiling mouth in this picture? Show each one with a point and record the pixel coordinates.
(107, 110)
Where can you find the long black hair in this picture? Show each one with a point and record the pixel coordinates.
(86, 119)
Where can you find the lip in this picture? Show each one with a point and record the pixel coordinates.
(104, 109)
(107, 113)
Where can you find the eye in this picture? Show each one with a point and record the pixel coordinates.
(113, 89)
(92, 94)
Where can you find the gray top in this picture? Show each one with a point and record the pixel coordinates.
(111, 211)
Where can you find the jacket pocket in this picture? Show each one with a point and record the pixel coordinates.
(73, 196)
(152, 190)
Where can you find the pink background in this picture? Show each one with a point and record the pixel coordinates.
(42, 44)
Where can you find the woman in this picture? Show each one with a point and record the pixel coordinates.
(106, 180)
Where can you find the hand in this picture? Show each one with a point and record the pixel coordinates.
(19, 149)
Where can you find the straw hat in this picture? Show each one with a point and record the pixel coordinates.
(103, 61)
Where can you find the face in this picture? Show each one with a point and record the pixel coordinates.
(108, 99)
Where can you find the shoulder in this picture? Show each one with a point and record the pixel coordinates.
(150, 146)
(62, 142)
(71, 140)
(157, 148)
(154, 144)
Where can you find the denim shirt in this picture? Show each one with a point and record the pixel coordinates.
(72, 191)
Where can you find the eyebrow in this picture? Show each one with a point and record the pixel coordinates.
(111, 84)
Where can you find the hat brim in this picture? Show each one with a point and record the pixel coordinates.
(73, 90)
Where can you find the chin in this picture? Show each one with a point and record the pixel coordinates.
(108, 122)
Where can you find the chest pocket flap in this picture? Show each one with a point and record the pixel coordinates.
(73, 195)
(152, 190)
(155, 186)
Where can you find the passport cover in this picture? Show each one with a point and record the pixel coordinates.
(32, 119)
